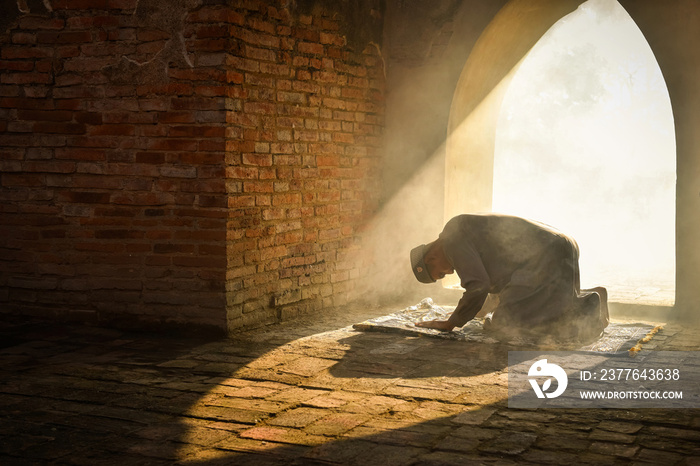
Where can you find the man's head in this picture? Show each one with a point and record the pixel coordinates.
(429, 262)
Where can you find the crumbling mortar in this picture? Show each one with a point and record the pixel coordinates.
(161, 16)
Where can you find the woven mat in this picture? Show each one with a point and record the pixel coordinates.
(618, 337)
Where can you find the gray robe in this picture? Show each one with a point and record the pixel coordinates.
(531, 266)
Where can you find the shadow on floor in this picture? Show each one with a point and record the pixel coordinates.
(82, 395)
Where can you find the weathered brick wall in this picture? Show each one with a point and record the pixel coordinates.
(303, 160)
(113, 197)
(192, 162)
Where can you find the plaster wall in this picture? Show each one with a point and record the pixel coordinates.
(671, 28)
(425, 51)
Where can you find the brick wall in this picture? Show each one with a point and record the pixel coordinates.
(302, 165)
(191, 162)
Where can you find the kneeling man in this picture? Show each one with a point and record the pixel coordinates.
(532, 267)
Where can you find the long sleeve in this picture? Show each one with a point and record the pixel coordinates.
(469, 306)
(468, 264)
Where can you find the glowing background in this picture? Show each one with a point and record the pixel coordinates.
(585, 142)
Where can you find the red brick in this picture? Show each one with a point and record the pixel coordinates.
(50, 167)
(170, 89)
(12, 179)
(332, 39)
(167, 248)
(242, 173)
(207, 172)
(209, 31)
(260, 107)
(113, 130)
(78, 92)
(197, 131)
(284, 199)
(64, 37)
(343, 138)
(13, 53)
(275, 69)
(16, 65)
(258, 187)
(85, 197)
(38, 22)
(98, 182)
(241, 201)
(69, 104)
(306, 34)
(193, 74)
(91, 118)
(194, 103)
(311, 48)
(59, 128)
(158, 260)
(261, 160)
(273, 252)
(212, 91)
(215, 15)
(256, 53)
(122, 4)
(87, 22)
(176, 117)
(266, 40)
(142, 198)
(26, 103)
(118, 234)
(201, 158)
(173, 144)
(79, 4)
(25, 78)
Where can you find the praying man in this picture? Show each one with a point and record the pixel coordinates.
(531, 267)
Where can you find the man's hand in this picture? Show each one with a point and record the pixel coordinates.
(443, 325)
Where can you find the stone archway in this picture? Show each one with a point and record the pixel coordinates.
(670, 28)
(487, 72)
(476, 104)
(585, 142)
(494, 59)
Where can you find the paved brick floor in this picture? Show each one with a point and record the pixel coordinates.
(312, 392)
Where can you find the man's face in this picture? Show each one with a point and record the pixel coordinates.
(438, 267)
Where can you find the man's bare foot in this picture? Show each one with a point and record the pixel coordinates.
(604, 314)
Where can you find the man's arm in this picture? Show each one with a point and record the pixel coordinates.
(469, 306)
(468, 264)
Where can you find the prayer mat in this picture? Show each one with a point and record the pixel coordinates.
(617, 337)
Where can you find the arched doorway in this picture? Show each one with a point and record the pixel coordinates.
(476, 109)
(585, 142)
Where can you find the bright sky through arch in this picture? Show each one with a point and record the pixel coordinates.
(585, 142)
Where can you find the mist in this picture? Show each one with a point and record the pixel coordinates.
(585, 142)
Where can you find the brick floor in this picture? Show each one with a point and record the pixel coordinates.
(311, 392)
